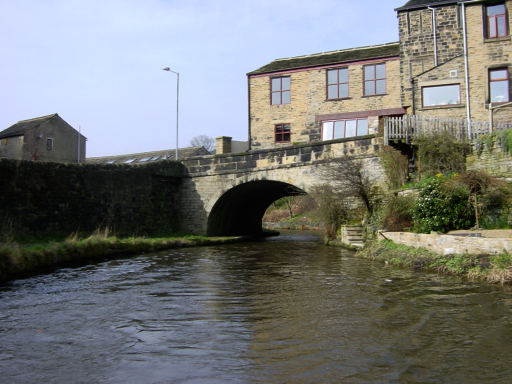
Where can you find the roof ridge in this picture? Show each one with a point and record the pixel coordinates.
(338, 50)
(38, 118)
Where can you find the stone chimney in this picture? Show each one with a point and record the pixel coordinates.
(223, 145)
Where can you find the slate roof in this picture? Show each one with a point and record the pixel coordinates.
(148, 157)
(330, 58)
(19, 128)
(415, 4)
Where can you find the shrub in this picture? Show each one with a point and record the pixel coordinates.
(442, 207)
(441, 153)
(396, 166)
(398, 214)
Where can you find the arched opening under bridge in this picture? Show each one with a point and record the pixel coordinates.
(239, 211)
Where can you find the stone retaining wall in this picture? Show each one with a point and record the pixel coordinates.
(450, 244)
(39, 199)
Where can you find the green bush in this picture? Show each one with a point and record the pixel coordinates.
(441, 153)
(442, 207)
(398, 213)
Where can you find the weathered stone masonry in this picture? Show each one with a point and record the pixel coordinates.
(39, 198)
(253, 180)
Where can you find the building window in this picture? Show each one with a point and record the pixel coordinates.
(499, 85)
(337, 83)
(282, 133)
(344, 128)
(49, 144)
(374, 79)
(496, 20)
(441, 95)
(280, 90)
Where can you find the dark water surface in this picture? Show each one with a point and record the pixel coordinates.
(286, 310)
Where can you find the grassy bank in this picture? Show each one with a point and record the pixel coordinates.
(18, 260)
(489, 268)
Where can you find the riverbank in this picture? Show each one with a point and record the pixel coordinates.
(482, 267)
(21, 260)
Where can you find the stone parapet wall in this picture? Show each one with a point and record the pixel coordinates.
(449, 244)
(289, 156)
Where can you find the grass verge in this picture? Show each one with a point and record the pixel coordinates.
(17, 260)
(489, 268)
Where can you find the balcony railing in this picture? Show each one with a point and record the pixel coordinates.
(409, 126)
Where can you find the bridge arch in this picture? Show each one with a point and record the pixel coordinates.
(239, 210)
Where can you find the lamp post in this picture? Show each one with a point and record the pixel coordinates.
(177, 102)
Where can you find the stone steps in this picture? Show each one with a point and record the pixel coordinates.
(352, 235)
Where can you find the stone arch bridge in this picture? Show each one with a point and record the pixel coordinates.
(228, 194)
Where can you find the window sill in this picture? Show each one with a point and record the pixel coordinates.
(442, 107)
(496, 39)
(379, 94)
(339, 99)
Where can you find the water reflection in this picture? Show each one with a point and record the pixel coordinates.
(287, 310)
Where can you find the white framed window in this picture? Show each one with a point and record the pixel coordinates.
(441, 95)
(339, 129)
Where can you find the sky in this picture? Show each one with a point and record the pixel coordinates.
(98, 63)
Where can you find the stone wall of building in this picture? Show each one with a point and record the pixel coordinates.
(417, 42)
(309, 100)
(417, 59)
(485, 54)
(11, 148)
(38, 198)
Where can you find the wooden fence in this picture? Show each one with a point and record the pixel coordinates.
(409, 126)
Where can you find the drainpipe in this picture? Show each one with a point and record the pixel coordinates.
(434, 26)
(249, 111)
(466, 67)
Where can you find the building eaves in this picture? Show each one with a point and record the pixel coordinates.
(21, 126)
(418, 4)
(330, 58)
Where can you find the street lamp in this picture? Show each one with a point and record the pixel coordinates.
(177, 102)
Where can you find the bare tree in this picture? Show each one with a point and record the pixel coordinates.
(205, 141)
(350, 179)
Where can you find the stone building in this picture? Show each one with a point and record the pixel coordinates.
(450, 47)
(445, 48)
(45, 138)
(323, 96)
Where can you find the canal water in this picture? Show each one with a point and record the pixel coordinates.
(284, 310)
